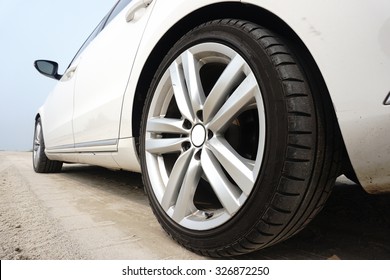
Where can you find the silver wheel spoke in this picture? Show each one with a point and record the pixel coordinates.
(160, 146)
(38, 134)
(237, 166)
(37, 141)
(229, 79)
(166, 125)
(36, 144)
(226, 192)
(184, 203)
(180, 91)
(176, 180)
(241, 97)
(191, 73)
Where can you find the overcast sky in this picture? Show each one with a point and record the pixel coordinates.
(30, 30)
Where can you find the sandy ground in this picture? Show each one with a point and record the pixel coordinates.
(88, 212)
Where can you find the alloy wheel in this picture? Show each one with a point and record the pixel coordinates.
(205, 136)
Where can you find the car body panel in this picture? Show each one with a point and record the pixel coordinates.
(102, 76)
(348, 41)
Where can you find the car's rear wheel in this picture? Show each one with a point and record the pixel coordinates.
(40, 161)
(236, 148)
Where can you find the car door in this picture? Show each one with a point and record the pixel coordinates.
(102, 77)
(59, 106)
(57, 115)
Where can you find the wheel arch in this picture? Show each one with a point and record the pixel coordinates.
(235, 10)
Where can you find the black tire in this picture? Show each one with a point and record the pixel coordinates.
(41, 163)
(298, 166)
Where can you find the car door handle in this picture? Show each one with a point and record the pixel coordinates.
(135, 7)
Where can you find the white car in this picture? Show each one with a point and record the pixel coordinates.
(239, 114)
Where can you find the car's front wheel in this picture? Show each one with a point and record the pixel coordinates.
(236, 148)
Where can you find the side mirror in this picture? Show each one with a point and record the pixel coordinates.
(47, 68)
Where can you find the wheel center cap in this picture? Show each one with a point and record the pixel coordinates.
(198, 135)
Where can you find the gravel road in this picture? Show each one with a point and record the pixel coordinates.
(88, 212)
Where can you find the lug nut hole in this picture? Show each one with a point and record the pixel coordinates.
(187, 124)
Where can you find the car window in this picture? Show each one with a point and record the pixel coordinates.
(94, 33)
(120, 5)
(118, 8)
